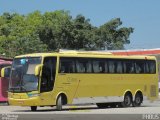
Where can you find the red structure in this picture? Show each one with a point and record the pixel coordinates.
(4, 82)
(137, 52)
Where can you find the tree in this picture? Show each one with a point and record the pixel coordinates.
(79, 34)
(36, 32)
(110, 36)
(18, 34)
(55, 29)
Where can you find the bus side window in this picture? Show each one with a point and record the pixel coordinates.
(152, 67)
(129, 66)
(119, 67)
(140, 66)
(147, 70)
(71, 66)
(106, 67)
(62, 69)
(124, 67)
(83, 65)
(138, 69)
(67, 65)
(111, 66)
(80, 67)
(88, 66)
(96, 68)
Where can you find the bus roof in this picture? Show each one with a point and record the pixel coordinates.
(86, 54)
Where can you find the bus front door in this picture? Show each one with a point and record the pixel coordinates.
(48, 80)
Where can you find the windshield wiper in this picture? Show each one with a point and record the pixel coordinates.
(13, 89)
(18, 89)
(23, 88)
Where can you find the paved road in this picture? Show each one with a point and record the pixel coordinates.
(147, 107)
(90, 112)
(85, 109)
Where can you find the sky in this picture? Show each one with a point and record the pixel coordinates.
(142, 15)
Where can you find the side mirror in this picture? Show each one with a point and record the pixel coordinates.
(38, 69)
(5, 72)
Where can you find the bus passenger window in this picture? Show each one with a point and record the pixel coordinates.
(98, 66)
(106, 67)
(129, 66)
(83, 66)
(147, 70)
(62, 70)
(140, 66)
(67, 65)
(102, 66)
(152, 67)
(111, 67)
(119, 67)
(80, 67)
(88, 67)
(138, 69)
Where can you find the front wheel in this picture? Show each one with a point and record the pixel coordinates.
(33, 108)
(59, 103)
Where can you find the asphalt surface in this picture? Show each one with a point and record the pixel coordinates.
(148, 111)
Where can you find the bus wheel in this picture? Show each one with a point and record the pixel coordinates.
(127, 100)
(59, 103)
(33, 108)
(138, 100)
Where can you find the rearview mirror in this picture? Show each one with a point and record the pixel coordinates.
(38, 69)
(5, 72)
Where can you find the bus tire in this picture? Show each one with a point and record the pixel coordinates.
(127, 100)
(59, 103)
(138, 100)
(33, 108)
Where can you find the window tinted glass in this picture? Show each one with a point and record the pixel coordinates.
(106, 65)
(152, 66)
(119, 67)
(67, 65)
(115, 66)
(129, 66)
(99, 66)
(140, 66)
(83, 65)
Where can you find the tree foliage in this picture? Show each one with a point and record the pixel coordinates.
(36, 32)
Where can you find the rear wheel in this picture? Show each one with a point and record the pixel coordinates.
(59, 103)
(138, 100)
(33, 108)
(127, 101)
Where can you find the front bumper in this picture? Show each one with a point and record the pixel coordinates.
(35, 101)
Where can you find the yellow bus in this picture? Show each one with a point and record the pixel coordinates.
(57, 79)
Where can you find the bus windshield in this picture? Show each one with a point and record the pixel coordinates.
(22, 74)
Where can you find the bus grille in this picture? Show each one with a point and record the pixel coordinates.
(153, 91)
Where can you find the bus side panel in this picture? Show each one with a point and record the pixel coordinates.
(67, 84)
(96, 86)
